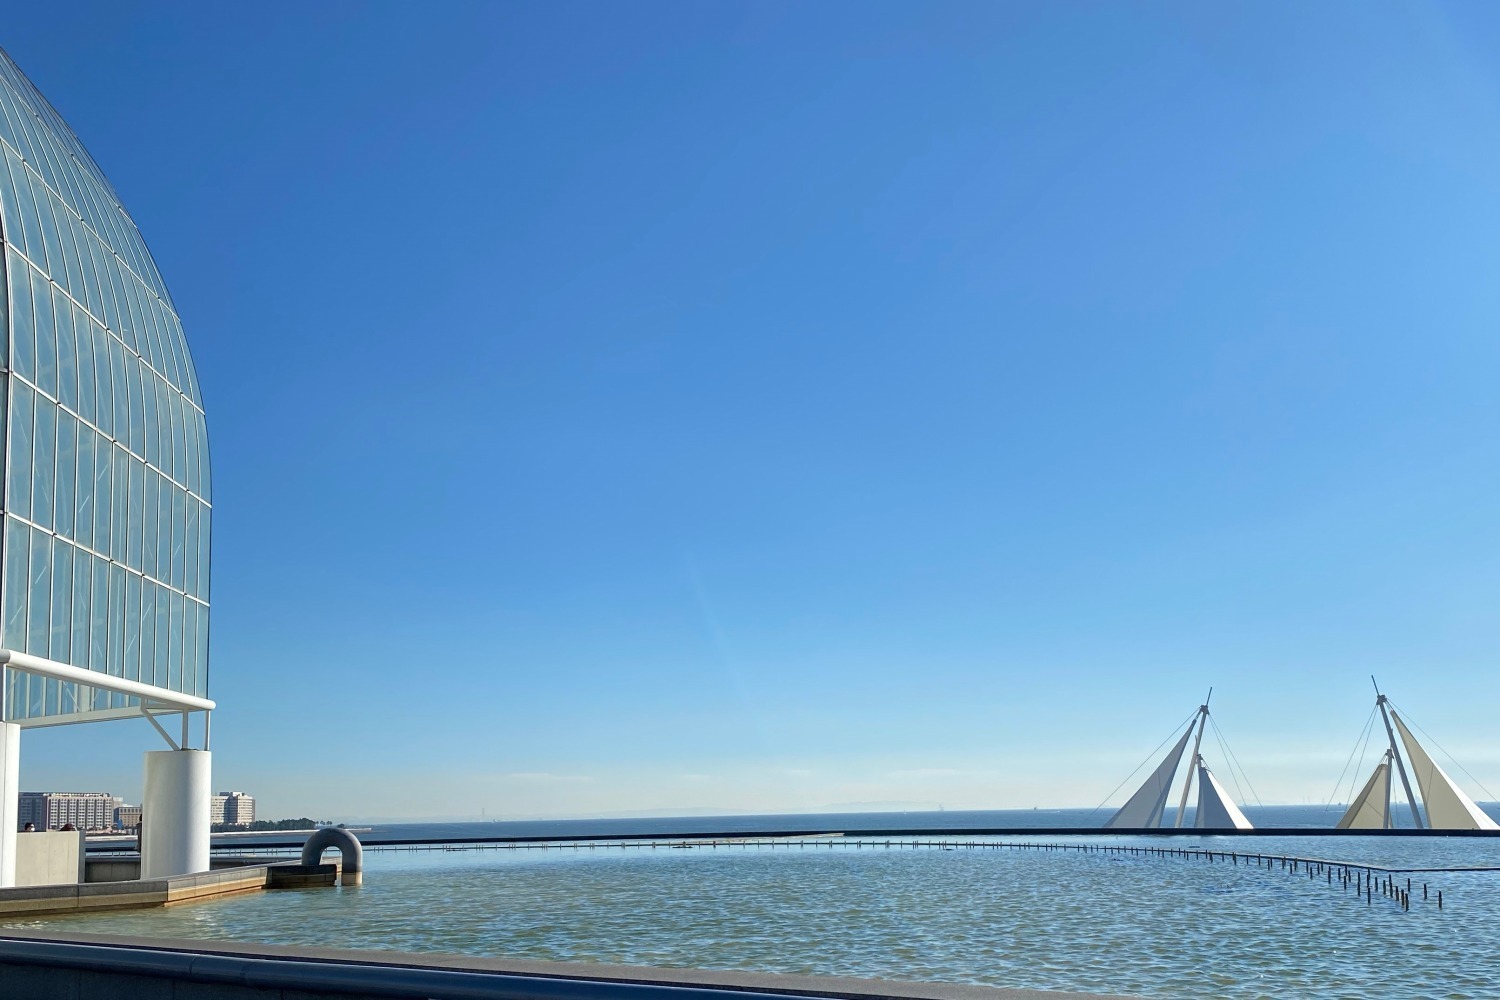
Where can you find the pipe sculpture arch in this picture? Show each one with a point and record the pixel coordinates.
(351, 853)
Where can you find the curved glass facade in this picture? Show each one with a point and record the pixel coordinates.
(106, 493)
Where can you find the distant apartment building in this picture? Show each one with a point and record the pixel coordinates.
(233, 809)
(127, 817)
(54, 810)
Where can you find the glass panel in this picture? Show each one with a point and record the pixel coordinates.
(83, 520)
(67, 473)
(190, 648)
(46, 335)
(99, 617)
(109, 275)
(203, 549)
(101, 493)
(177, 350)
(83, 582)
(62, 601)
(67, 350)
(16, 692)
(164, 531)
(148, 633)
(158, 350)
(17, 551)
(43, 447)
(179, 439)
(119, 503)
(137, 418)
(18, 489)
(133, 507)
(39, 594)
(80, 268)
(87, 382)
(78, 281)
(153, 427)
(104, 409)
(9, 203)
(190, 548)
(202, 659)
(4, 298)
(32, 235)
(179, 534)
(190, 433)
(23, 317)
(36, 688)
(132, 619)
(130, 319)
(150, 514)
(205, 472)
(49, 232)
(120, 425)
(117, 577)
(174, 639)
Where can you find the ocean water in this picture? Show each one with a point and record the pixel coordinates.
(1141, 925)
(1261, 816)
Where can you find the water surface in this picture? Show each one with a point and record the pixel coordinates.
(1159, 927)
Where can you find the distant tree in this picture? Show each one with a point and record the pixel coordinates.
(266, 825)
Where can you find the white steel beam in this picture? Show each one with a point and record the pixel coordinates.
(157, 697)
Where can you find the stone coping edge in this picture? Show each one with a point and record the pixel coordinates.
(76, 897)
(457, 977)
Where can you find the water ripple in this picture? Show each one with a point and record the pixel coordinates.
(1060, 920)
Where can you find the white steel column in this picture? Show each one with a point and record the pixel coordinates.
(10, 799)
(175, 813)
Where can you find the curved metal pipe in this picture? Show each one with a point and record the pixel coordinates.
(350, 852)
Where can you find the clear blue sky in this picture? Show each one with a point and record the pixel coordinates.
(621, 407)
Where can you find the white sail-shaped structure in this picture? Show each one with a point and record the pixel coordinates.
(1447, 807)
(1215, 810)
(1144, 809)
(1371, 808)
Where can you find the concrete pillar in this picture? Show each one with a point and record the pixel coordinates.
(10, 800)
(175, 812)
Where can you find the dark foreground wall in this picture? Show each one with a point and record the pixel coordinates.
(92, 967)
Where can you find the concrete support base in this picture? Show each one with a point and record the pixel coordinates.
(10, 800)
(175, 813)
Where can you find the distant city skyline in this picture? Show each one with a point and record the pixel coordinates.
(759, 407)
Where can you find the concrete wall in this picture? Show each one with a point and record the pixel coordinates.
(54, 858)
(56, 966)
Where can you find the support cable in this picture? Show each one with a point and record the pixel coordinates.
(1361, 742)
(1229, 755)
(1149, 757)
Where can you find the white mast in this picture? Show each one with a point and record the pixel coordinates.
(1188, 783)
(1411, 799)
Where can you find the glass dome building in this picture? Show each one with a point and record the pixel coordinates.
(106, 497)
(104, 551)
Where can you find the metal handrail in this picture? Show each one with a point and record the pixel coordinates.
(1081, 831)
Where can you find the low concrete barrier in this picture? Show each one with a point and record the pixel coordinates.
(43, 900)
(35, 964)
(49, 858)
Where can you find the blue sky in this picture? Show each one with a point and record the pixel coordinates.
(784, 406)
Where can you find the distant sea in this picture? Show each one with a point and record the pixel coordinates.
(1290, 817)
